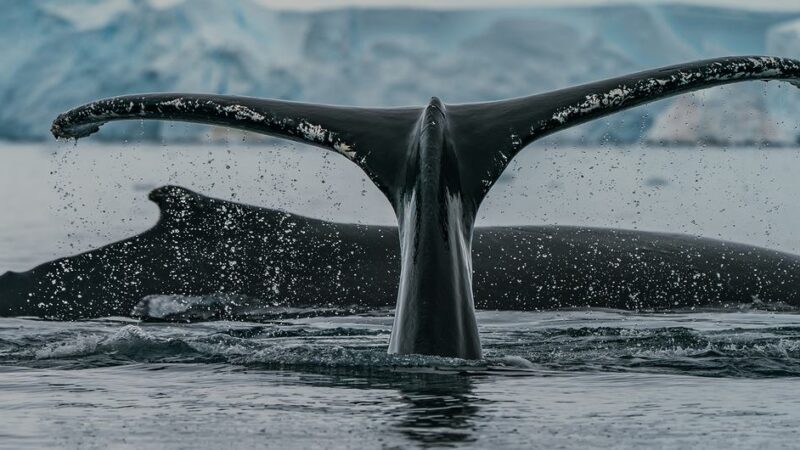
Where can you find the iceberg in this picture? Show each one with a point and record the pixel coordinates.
(64, 56)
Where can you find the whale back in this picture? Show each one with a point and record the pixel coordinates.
(214, 248)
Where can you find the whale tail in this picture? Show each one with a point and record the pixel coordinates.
(434, 164)
(487, 135)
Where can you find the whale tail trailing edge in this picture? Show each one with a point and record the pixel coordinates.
(434, 164)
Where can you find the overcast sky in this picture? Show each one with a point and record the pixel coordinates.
(315, 4)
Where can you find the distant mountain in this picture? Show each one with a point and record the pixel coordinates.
(62, 54)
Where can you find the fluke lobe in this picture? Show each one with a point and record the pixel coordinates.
(434, 164)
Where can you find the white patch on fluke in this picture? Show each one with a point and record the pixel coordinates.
(344, 149)
(243, 112)
(316, 133)
(312, 132)
(593, 102)
(763, 67)
(176, 102)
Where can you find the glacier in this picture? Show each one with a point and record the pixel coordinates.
(59, 55)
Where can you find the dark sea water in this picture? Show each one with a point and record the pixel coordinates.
(554, 379)
(551, 379)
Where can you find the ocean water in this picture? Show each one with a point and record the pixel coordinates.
(558, 379)
(549, 380)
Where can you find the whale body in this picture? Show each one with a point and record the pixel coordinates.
(208, 247)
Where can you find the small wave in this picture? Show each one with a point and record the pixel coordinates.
(734, 352)
(129, 342)
(359, 343)
(756, 305)
(187, 308)
(274, 348)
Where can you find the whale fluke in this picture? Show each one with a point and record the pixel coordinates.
(488, 134)
(434, 164)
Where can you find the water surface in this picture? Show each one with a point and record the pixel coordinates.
(549, 379)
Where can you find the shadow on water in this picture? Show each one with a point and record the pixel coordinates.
(439, 410)
(432, 407)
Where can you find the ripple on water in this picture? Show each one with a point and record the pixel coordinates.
(717, 344)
